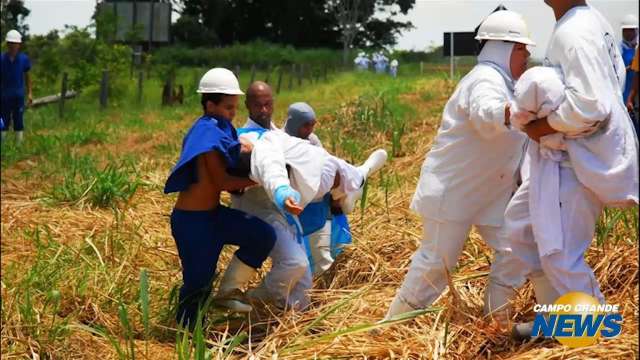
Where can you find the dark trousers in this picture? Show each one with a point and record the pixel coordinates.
(200, 236)
(12, 112)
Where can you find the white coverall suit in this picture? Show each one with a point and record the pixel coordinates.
(602, 165)
(289, 277)
(467, 179)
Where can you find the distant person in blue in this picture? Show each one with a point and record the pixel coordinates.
(200, 225)
(15, 74)
(628, 49)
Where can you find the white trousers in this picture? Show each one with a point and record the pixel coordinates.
(351, 178)
(290, 277)
(579, 210)
(439, 251)
(320, 244)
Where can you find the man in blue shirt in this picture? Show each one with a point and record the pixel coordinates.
(628, 49)
(15, 74)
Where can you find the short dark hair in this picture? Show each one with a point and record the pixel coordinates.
(213, 97)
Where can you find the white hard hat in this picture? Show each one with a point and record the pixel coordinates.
(219, 80)
(629, 22)
(505, 25)
(13, 36)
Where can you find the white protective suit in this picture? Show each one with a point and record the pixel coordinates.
(393, 67)
(467, 179)
(289, 278)
(603, 164)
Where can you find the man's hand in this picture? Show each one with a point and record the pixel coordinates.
(292, 207)
(245, 145)
(29, 99)
(538, 128)
(629, 105)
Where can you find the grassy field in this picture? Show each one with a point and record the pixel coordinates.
(90, 270)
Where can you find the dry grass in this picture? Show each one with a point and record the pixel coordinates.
(104, 250)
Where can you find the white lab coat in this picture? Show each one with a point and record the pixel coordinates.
(287, 282)
(607, 161)
(471, 170)
(467, 179)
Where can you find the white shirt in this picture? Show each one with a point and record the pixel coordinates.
(470, 172)
(584, 47)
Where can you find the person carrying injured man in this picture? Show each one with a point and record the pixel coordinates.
(469, 175)
(317, 218)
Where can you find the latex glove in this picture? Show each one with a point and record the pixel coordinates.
(286, 198)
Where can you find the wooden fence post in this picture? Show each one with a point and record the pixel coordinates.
(421, 67)
(253, 73)
(279, 79)
(292, 73)
(63, 93)
(104, 89)
(300, 74)
(266, 79)
(140, 77)
(325, 72)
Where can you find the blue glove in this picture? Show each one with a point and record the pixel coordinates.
(282, 193)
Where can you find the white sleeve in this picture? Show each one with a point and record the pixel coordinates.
(268, 166)
(487, 103)
(587, 97)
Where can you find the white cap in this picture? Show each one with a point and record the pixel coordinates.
(629, 22)
(13, 36)
(219, 80)
(505, 25)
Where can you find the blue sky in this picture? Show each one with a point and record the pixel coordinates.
(430, 17)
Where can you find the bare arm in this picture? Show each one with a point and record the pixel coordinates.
(27, 78)
(634, 91)
(538, 128)
(216, 170)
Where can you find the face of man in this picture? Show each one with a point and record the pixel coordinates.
(629, 34)
(259, 103)
(13, 48)
(306, 130)
(226, 108)
(518, 61)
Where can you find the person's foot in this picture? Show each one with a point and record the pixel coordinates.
(374, 163)
(234, 301)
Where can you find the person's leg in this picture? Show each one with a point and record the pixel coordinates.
(507, 273)
(427, 276)
(289, 265)
(18, 123)
(567, 270)
(255, 239)
(320, 243)
(195, 236)
(6, 115)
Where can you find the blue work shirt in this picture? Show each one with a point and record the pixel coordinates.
(627, 56)
(13, 74)
(206, 134)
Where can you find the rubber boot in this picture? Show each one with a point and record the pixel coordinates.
(497, 303)
(19, 137)
(229, 295)
(374, 163)
(545, 294)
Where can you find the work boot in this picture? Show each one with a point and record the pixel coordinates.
(545, 294)
(397, 307)
(497, 303)
(19, 137)
(4, 135)
(235, 277)
(375, 161)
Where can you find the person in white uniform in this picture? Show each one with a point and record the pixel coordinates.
(393, 68)
(301, 120)
(601, 166)
(470, 173)
(285, 284)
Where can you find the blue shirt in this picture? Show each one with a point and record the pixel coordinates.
(206, 134)
(627, 56)
(13, 74)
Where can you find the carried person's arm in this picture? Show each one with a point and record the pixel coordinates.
(216, 169)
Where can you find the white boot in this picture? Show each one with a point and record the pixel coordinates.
(397, 307)
(368, 168)
(235, 277)
(4, 135)
(19, 136)
(545, 294)
(497, 303)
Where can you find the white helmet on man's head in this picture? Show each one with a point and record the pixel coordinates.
(629, 22)
(505, 25)
(13, 36)
(221, 81)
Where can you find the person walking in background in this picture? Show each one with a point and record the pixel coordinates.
(393, 68)
(15, 75)
(628, 47)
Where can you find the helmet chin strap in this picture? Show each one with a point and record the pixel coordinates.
(499, 53)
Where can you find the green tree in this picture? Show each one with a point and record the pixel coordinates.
(12, 16)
